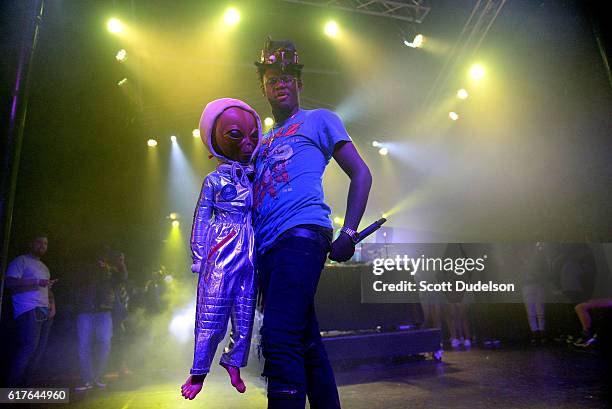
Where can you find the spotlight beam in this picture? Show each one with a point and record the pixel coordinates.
(474, 31)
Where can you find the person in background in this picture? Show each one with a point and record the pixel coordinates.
(29, 281)
(95, 300)
(120, 310)
(584, 310)
(535, 273)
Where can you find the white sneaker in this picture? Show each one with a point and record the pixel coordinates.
(85, 387)
(587, 342)
(455, 343)
(100, 384)
(467, 344)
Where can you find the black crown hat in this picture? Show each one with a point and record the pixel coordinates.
(281, 54)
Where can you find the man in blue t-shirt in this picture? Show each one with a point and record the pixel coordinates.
(293, 230)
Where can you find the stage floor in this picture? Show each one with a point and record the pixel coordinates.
(550, 377)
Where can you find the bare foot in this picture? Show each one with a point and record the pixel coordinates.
(192, 386)
(234, 374)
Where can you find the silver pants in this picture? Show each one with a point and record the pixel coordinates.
(222, 296)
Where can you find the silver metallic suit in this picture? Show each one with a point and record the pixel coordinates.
(222, 242)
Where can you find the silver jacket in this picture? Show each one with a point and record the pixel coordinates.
(224, 206)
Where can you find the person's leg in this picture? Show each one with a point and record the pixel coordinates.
(530, 308)
(464, 313)
(120, 345)
(28, 335)
(213, 307)
(583, 310)
(321, 386)
(241, 316)
(451, 321)
(45, 328)
(212, 315)
(103, 328)
(436, 315)
(290, 273)
(236, 353)
(427, 314)
(539, 310)
(85, 335)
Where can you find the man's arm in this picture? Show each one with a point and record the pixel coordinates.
(52, 310)
(358, 172)
(21, 285)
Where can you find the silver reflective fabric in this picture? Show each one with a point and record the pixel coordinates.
(222, 240)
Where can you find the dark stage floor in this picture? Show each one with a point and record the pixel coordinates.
(551, 377)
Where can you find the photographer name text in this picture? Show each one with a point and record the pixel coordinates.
(444, 286)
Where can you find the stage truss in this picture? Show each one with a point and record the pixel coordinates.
(413, 11)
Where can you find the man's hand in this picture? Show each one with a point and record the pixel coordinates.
(342, 249)
(46, 283)
(195, 267)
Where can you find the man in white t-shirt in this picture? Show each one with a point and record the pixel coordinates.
(29, 281)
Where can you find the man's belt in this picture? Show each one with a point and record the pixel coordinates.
(305, 234)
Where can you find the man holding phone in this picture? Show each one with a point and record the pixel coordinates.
(29, 281)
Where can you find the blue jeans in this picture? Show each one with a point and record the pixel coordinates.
(296, 363)
(94, 328)
(32, 333)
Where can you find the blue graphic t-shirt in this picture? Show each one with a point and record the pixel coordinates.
(288, 186)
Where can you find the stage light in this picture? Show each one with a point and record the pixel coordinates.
(176, 224)
(168, 279)
(268, 121)
(114, 26)
(173, 216)
(196, 133)
(477, 72)
(231, 16)
(384, 215)
(121, 55)
(332, 29)
(152, 143)
(417, 41)
(383, 151)
(453, 115)
(462, 94)
(375, 144)
(122, 82)
(173, 138)
(338, 220)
